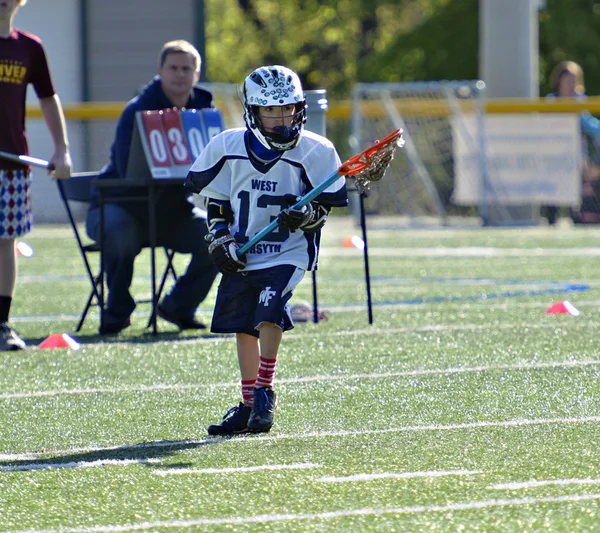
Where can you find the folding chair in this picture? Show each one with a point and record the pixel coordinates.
(78, 189)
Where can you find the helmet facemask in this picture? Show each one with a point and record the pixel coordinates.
(274, 86)
(283, 137)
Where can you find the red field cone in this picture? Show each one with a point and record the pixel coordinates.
(562, 308)
(58, 340)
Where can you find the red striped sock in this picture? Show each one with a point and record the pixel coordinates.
(248, 391)
(266, 373)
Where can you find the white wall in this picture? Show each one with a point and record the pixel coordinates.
(56, 22)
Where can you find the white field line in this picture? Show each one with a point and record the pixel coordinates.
(239, 470)
(542, 483)
(17, 456)
(520, 422)
(75, 464)
(486, 424)
(399, 281)
(461, 251)
(579, 324)
(62, 317)
(435, 328)
(495, 303)
(278, 518)
(398, 475)
(308, 379)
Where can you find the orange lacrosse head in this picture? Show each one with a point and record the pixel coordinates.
(360, 162)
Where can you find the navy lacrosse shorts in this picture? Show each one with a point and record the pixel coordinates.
(246, 299)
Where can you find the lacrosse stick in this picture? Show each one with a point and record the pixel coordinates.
(27, 160)
(366, 167)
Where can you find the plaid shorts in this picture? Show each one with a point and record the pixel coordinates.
(15, 204)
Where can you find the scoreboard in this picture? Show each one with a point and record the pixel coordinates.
(165, 143)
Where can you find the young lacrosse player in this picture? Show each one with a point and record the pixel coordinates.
(22, 62)
(249, 177)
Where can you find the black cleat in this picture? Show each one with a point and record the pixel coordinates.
(181, 322)
(234, 422)
(112, 326)
(263, 411)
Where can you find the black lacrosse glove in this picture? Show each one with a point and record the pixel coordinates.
(294, 219)
(313, 219)
(223, 252)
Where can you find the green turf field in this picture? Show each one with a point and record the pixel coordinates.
(463, 407)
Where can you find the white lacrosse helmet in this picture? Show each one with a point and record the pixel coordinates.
(274, 86)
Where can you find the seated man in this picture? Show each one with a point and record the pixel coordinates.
(180, 225)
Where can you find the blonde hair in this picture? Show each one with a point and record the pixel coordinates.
(563, 68)
(179, 47)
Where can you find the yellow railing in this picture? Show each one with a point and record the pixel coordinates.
(85, 110)
(343, 109)
(543, 105)
(414, 106)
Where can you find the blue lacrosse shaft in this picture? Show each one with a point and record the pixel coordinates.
(306, 199)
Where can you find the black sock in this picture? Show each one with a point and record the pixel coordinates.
(5, 302)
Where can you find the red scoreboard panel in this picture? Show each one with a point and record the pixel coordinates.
(178, 148)
(165, 143)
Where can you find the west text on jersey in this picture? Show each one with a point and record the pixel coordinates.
(264, 185)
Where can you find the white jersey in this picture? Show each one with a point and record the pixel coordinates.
(224, 171)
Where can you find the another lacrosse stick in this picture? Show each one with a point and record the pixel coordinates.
(27, 160)
(366, 167)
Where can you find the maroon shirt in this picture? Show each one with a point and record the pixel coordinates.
(22, 61)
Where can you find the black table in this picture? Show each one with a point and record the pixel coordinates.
(148, 190)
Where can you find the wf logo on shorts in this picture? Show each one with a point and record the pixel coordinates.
(265, 296)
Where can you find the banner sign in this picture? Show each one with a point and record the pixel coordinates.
(529, 159)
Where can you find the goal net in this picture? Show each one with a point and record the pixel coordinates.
(420, 181)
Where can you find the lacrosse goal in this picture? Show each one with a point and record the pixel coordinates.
(420, 180)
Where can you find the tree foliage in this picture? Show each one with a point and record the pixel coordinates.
(328, 42)
(337, 43)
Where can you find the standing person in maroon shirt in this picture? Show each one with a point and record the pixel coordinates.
(22, 61)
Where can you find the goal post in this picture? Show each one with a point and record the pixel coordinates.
(420, 181)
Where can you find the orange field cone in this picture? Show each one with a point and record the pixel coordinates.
(562, 308)
(58, 340)
(353, 241)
